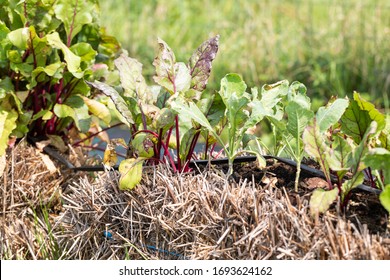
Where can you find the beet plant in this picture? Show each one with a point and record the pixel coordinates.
(156, 126)
(344, 138)
(48, 50)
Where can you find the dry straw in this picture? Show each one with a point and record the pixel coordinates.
(46, 214)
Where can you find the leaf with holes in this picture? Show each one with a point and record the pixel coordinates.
(200, 63)
(321, 200)
(131, 173)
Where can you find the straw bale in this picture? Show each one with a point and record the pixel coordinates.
(203, 216)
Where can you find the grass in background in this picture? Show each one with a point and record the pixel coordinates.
(333, 47)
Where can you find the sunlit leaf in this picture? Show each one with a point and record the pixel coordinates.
(329, 115)
(298, 118)
(342, 150)
(72, 60)
(74, 14)
(173, 76)
(76, 109)
(142, 145)
(110, 157)
(98, 109)
(235, 99)
(120, 104)
(19, 37)
(131, 173)
(358, 117)
(132, 81)
(321, 200)
(7, 125)
(316, 147)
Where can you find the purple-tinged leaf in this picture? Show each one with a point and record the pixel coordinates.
(174, 77)
(200, 63)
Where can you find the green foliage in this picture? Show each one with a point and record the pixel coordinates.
(156, 123)
(131, 173)
(344, 137)
(49, 49)
(384, 197)
(299, 115)
(269, 40)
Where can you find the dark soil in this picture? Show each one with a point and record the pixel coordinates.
(363, 208)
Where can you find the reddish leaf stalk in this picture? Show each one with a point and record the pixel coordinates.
(166, 151)
(191, 151)
(178, 142)
(69, 40)
(206, 146)
(160, 136)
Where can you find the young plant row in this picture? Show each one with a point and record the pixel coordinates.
(350, 139)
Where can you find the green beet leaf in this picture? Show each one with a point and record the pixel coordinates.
(321, 200)
(193, 112)
(74, 14)
(7, 125)
(384, 198)
(131, 173)
(98, 109)
(86, 53)
(164, 119)
(316, 147)
(357, 155)
(348, 185)
(142, 145)
(132, 81)
(79, 115)
(45, 74)
(72, 60)
(19, 37)
(379, 159)
(329, 115)
(6, 87)
(173, 76)
(342, 150)
(120, 104)
(358, 117)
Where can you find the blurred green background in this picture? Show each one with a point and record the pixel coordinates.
(333, 47)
